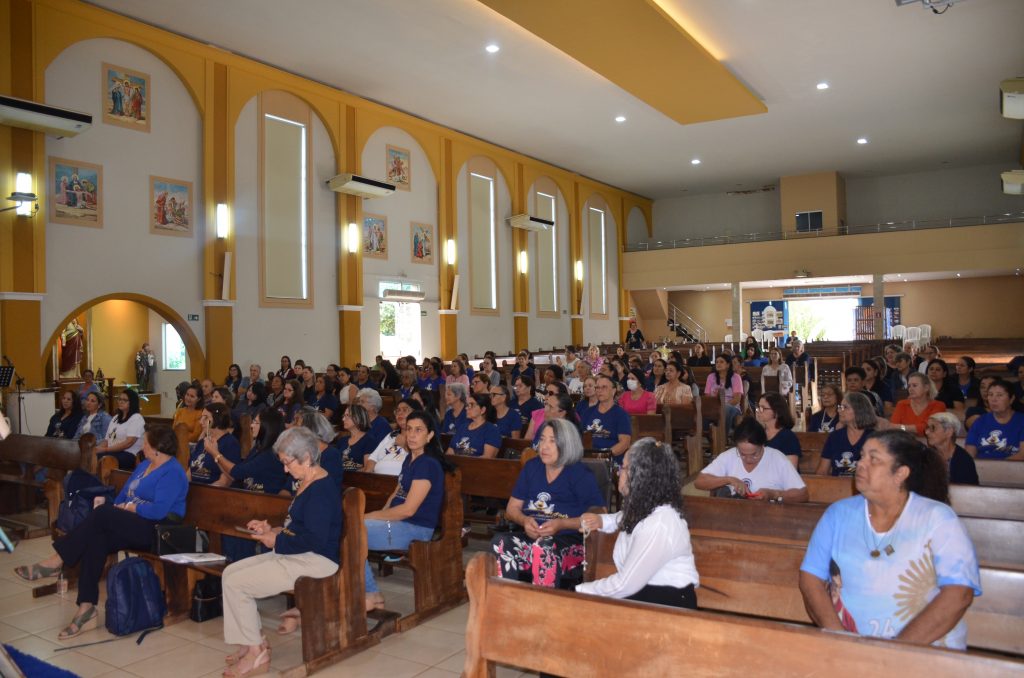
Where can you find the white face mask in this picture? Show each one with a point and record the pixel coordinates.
(632, 384)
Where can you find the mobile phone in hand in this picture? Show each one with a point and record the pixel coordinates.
(244, 529)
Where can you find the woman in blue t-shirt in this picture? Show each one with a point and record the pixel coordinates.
(479, 437)
(841, 452)
(525, 398)
(774, 414)
(413, 511)
(455, 416)
(553, 490)
(608, 423)
(589, 399)
(64, 422)
(999, 433)
(217, 441)
(509, 424)
(261, 470)
(358, 443)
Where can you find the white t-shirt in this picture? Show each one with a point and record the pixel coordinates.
(773, 472)
(135, 427)
(388, 457)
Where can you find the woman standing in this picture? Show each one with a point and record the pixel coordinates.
(552, 492)
(65, 421)
(479, 437)
(826, 419)
(653, 555)
(124, 435)
(674, 391)
(842, 449)
(893, 561)
(634, 337)
(942, 431)
(912, 413)
(998, 434)
(776, 367)
(773, 413)
(637, 399)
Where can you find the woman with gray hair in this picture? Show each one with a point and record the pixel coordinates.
(331, 457)
(842, 448)
(307, 545)
(653, 555)
(455, 400)
(941, 431)
(553, 490)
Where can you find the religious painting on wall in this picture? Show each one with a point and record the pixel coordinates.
(422, 243)
(170, 206)
(127, 98)
(76, 193)
(375, 236)
(399, 170)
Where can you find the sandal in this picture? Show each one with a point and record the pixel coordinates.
(376, 602)
(259, 665)
(236, 657)
(82, 622)
(36, 572)
(289, 622)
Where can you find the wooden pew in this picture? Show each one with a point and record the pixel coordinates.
(333, 619)
(811, 445)
(1000, 473)
(489, 478)
(539, 629)
(828, 489)
(975, 501)
(649, 425)
(712, 411)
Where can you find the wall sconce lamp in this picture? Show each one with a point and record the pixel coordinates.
(26, 202)
(524, 262)
(223, 220)
(449, 252)
(579, 270)
(353, 238)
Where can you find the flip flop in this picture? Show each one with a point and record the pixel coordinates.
(36, 572)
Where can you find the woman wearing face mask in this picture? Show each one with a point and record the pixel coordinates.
(636, 399)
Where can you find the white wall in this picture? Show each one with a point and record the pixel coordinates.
(636, 226)
(83, 263)
(263, 335)
(594, 330)
(401, 208)
(714, 214)
(548, 332)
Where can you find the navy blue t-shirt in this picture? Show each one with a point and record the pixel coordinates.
(509, 424)
(332, 461)
(785, 441)
(842, 455)
(583, 409)
(607, 427)
(470, 442)
(572, 494)
(526, 409)
(422, 468)
(379, 430)
(453, 423)
(436, 384)
(204, 469)
(261, 471)
(326, 402)
(357, 452)
(314, 522)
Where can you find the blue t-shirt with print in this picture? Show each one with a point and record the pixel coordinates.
(509, 424)
(842, 456)
(470, 442)
(994, 440)
(422, 468)
(877, 596)
(204, 469)
(572, 493)
(606, 427)
(526, 409)
(261, 471)
(452, 422)
(436, 384)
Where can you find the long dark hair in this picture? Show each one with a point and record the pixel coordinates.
(483, 400)
(433, 446)
(653, 480)
(929, 474)
(133, 406)
(271, 427)
(76, 403)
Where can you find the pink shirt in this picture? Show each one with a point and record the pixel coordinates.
(461, 379)
(711, 386)
(642, 405)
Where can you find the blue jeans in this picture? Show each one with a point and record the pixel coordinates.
(391, 535)
(731, 412)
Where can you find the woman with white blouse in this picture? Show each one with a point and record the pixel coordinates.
(777, 368)
(124, 435)
(653, 555)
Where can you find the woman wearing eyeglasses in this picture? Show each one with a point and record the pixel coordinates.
(124, 435)
(506, 419)
(841, 452)
(479, 437)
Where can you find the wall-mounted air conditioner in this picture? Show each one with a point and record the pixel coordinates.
(1011, 98)
(403, 295)
(528, 223)
(57, 122)
(353, 184)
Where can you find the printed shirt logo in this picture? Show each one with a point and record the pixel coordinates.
(464, 447)
(198, 466)
(597, 428)
(541, 507)
(846, 464)
(998, 442)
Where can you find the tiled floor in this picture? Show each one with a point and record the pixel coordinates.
(436, 648)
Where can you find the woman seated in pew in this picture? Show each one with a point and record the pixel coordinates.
(842, 449)
(95, 420)
(65, 420)
(656, 376)
(777, 367)
(124, 434)
(607, 423)
(557, 406)
(675, 390)
(999, 433)
(724, 379)
(413, 511)
(292, 398)
(826, 419)
(252, 401)
(455, 396)
(911, 414)
(874, 380)
(966, 381)
(941, 432)
(588, 399)
(324, 400)
(752, 470)
(307, 545)
(217, 441)
(553, 490)
(981, 408)
(509, 424)
(893, 561)
(525, 400)
(391, 452)
(579, 376)
(261, 471)
(275, 394)
(699, 357)
(358, 443)
(637, 399)
(946, 390)
(479, 436)
(155, 492)
(774, 414)
(653, 555)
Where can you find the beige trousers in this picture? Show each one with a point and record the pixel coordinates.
(261, 576)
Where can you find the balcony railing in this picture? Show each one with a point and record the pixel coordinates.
(881, 227)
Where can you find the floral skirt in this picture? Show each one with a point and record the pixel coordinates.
(545, 561)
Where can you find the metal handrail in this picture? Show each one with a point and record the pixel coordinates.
(880, 227)
(694, 328)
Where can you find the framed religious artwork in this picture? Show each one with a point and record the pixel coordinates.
(127, 98)
(76, 193)
(422, 243)
(170, 206)
(375, 236)
(399, 170)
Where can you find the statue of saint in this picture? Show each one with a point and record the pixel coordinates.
(72, 344)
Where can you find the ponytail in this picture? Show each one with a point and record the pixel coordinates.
(929, 475)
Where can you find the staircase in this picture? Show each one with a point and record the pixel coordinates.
(684, 326)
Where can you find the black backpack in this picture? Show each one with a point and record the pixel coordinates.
(80, 491)
(134, 599)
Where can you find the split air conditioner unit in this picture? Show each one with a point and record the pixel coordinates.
(353, 184)
(1011, 98)
(528, 223)
(403, 295)
(1013, 182)
(57, 122)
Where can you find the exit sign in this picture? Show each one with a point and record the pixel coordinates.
(193, 317)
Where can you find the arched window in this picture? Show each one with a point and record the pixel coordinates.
(546, 207)
(597, 262)
(483, 258)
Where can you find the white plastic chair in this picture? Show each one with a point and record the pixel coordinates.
(728, 338)
(899, 331)
(926, 334)
(914, 335)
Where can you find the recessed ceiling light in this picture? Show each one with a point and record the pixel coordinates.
(620, 118)
(822, 85)
(862, 141)
(492, 48)
(695, 161)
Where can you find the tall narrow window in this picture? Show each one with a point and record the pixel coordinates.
(483, 273)
(284, 159)
(547, 258)
(174, 349)
(597, 259)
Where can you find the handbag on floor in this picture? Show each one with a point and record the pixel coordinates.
(207, 600)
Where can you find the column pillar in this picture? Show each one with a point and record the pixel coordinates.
(576, 266)
(447, 271)
(21, 320)
(521, 286)
(878, 289)
(737, 313)
(219, 337)
(350, 252)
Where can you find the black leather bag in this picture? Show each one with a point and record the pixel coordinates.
(207, 601)
(175, 538)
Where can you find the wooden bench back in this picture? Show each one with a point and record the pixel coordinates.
(513, 448)
(976, 501)
(244, 434)
(54, 453)
(493, 478)
(755, 520)
(811, 445)
(1000, 473)
(649, 425)
(377, 487)
(538, 629)
(182, 433)
(828, 489)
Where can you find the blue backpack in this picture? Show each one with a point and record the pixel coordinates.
(134, 599)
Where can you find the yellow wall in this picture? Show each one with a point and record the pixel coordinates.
(825, 191)
(118, 329)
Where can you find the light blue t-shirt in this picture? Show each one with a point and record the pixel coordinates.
(879, 596)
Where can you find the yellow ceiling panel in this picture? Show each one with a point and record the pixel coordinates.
(640, 48)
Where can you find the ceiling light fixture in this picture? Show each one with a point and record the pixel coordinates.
(492, 48)
(620, 118)
(822, 85)
(695, 161)
(862, 141)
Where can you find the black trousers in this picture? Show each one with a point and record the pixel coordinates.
(667, 595)
(105, 531)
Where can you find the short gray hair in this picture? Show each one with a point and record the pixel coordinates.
(948, 421)
(299, 444)
(864, 416)
(371, 399)
(458, 390)
(567, 440)
(316, 422)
